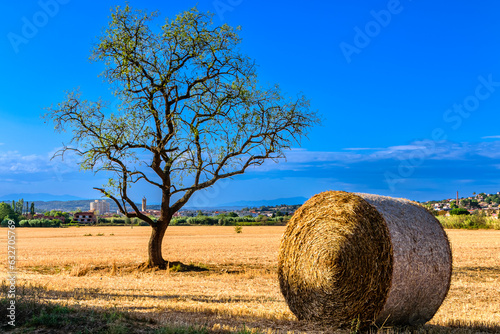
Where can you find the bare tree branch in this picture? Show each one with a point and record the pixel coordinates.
(191, 113)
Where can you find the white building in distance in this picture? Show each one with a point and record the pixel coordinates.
(99, 207)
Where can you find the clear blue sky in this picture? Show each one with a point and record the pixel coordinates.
(409, 90)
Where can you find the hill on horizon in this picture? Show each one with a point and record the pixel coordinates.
(84, 204)
(269, 202)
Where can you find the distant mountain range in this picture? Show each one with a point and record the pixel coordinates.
(246, 204)
(47, 202)
(270, 202)
(83, 205)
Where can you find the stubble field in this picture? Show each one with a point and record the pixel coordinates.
(96, 267)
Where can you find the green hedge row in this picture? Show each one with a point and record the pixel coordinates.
(470, 222)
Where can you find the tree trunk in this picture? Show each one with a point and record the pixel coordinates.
(154, 247)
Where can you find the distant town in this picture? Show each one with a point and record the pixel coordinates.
(482, 203)
(263, 213)
(102, 212)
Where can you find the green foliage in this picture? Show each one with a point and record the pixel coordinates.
(472, 203)
(203, 220)
(470, 222)
(40, 223)
(180, 221)
(492, 199)
(238, 229)
(53, 318)
(459, 211)
(113, 221)
(18, 207)
(56, 213)
(262, 218)
(24, 223)
(176, 268)
(5, 210)
(224, 220)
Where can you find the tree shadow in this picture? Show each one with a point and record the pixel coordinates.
(181, 267)
(174, 266)
(37, 307)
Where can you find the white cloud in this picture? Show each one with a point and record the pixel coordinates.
(466, 181)
(406, 148)
(491, 137)
(302, 159)
(362, 149)
(13, 162)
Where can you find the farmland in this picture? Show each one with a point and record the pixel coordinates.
(234, 283)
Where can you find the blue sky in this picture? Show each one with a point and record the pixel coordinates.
(409, 92)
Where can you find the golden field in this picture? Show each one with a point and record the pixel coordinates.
(240, 287)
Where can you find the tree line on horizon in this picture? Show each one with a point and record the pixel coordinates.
(15, 210)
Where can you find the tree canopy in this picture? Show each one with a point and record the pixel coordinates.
(191, 113)
(5, 211)
(459, 211)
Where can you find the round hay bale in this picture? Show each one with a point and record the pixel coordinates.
(364, 258)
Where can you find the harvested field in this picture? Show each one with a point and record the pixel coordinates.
(240, 287)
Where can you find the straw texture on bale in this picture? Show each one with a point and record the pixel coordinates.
(348, 257)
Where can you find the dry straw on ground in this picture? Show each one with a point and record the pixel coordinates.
(241, 289)
(358, 258)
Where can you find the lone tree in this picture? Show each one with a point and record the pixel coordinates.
(191, 113)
